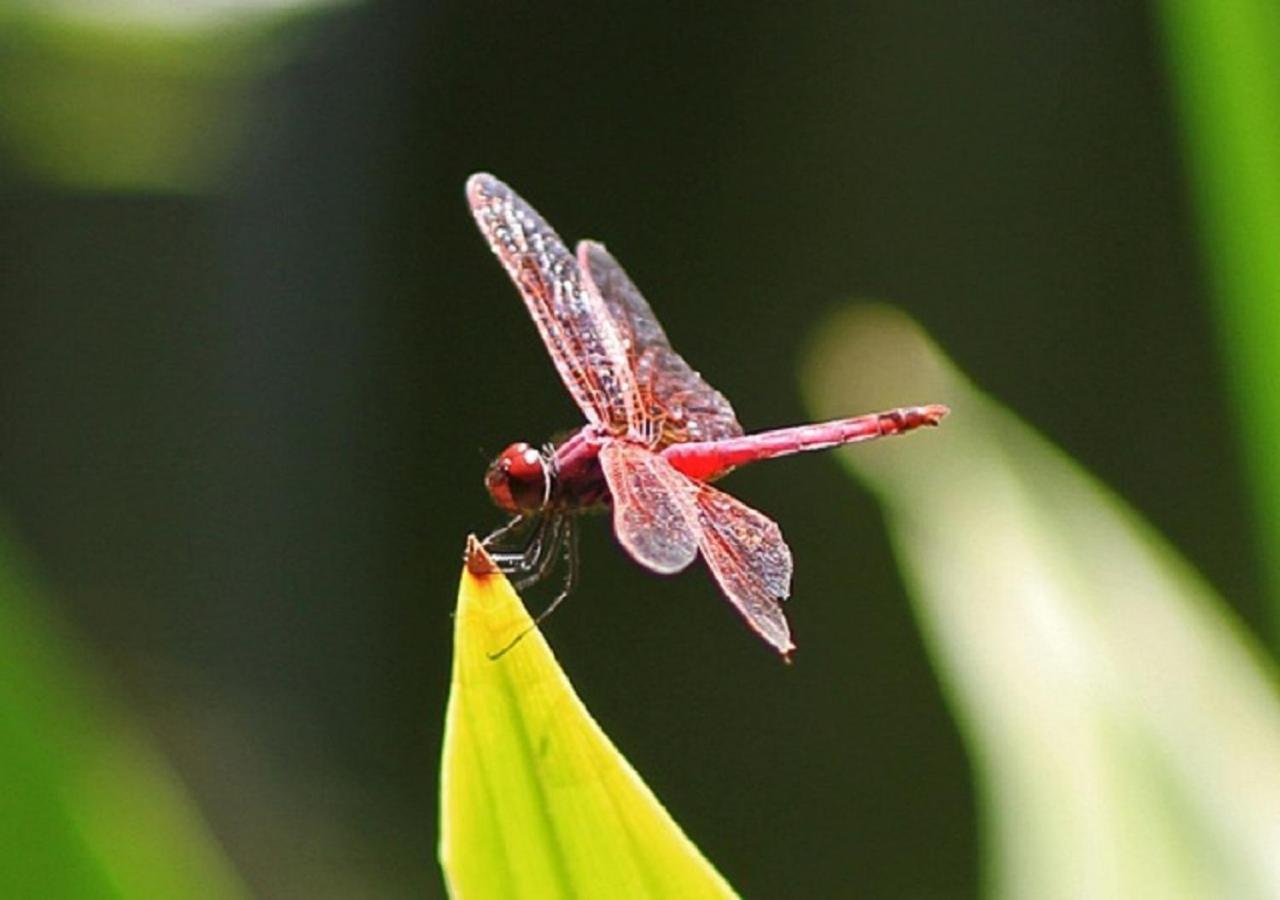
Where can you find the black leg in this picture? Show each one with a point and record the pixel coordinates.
(552, 540)
(566, 539)
(499, 533)
(528, 559)
(570, 541)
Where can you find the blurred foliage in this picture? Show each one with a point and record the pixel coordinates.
(1225, 59)
(535, 801)
(125, 96)
(88, 808)
(1124, 727)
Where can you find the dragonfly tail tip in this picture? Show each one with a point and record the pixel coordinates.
(934, 413)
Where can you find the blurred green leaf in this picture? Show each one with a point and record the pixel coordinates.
(87, 808)
(135, 96)
(1225, 58)
(1124, 728)
(535, 800)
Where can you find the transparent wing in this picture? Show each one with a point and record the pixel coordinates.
(748, 557)
(652, 507)
(688, 408)
(663, 518)
(578, 330)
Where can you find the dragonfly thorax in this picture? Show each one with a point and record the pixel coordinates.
(519, 480)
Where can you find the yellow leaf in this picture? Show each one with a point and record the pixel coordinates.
(535, 800)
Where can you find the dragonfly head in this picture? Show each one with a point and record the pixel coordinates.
(519, 480)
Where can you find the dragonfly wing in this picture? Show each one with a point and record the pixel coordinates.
(652, 507)
(663, 518)
(578, 330)
(748, 557)
(690, 409)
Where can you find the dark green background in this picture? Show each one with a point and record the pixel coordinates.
(243, 433)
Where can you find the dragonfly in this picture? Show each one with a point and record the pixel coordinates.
(656, 434)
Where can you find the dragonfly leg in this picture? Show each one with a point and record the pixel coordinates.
(570, 541)
(548, 551)
(567, 539)
(499, 533)
(526, 558)
(533, 562)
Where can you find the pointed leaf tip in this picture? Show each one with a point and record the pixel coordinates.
(535, 799)
(477, 558)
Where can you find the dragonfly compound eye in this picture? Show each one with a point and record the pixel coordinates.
(517, 479)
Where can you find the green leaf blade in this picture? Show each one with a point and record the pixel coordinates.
(1124, 728)
(535, 799)
(1224, 61)
(89, 808)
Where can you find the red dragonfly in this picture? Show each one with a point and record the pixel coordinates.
(656, 432)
